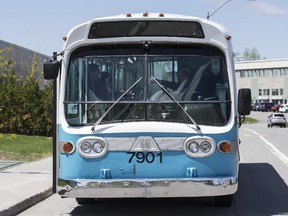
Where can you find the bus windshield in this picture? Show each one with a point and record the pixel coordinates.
(194, 76)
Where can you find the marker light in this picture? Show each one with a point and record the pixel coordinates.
(228, 37)
(145, 14)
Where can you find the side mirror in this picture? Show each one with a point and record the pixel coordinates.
(244, 101)
(51, 69)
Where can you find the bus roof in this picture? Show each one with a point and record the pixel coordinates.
(212, 31)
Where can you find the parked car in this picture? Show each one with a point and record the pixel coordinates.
(283, 108)
(275, 108)
(277, 119)
(265, 106)
(254, 106)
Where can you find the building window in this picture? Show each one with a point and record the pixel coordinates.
(255, 73)
(261, 73)
(260, 92)
(249, 73)
(267, 73)
(275, 72)
(242, 73)
(275, 91)
(266, 92)
(282, 72)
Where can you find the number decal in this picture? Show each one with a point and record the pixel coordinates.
(160, 156)
(132, 156)
(150, 157)
(141, 157)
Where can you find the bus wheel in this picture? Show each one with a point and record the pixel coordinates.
(85, 201)
(224, 201)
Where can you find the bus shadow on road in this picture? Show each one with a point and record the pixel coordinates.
(261, 192)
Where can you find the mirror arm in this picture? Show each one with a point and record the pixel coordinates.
(241, 120)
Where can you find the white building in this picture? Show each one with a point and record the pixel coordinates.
(267, 79)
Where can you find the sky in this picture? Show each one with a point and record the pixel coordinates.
(40, 25)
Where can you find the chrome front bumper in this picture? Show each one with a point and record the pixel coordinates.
(121, 188)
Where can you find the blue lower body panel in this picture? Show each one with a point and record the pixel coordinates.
(169, 174)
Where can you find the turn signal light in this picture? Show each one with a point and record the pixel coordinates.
(225, 147)
(67, 148)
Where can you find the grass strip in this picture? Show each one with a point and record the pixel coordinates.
(24, 148)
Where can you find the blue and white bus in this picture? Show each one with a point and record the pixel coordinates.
(147, 106)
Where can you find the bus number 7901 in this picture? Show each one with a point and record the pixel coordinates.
(142, 157)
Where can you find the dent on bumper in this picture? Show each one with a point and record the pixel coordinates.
(147, 188)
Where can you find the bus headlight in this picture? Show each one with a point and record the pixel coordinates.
(193, 147)
(92, 147)
(199, 146)
(98, 147)
(86, 147)
(205, 146)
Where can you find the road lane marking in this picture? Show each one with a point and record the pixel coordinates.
(272, 148)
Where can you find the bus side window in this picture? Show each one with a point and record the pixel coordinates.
(72, 89)
(221, 92)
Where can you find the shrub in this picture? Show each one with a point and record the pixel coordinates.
(24, 107)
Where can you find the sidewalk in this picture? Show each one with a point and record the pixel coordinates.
(24, 185)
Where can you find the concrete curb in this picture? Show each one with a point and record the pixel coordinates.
(27, 203)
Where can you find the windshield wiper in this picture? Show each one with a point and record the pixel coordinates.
(126, 92)
(172, 98)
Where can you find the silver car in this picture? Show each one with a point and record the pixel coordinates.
(277, 119)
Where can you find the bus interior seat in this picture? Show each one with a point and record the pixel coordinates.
(201, 81)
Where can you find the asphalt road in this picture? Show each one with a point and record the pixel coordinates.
(262, 189)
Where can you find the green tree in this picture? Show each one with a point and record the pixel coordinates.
(8, 91)
(249, 55)
(24, 107)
